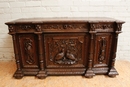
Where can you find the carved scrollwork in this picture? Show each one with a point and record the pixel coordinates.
(101, 57)
(28, 51)
(119, 26)
(65, 26)
(26, 27)
(65, 51)
(100, 26)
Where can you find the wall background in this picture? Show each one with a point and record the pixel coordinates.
(14, 9)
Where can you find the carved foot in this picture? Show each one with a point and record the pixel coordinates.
(89, 73)
(112, 72)
(18, 74)
(41, 75)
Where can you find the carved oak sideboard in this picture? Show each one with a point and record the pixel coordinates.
(65, 46)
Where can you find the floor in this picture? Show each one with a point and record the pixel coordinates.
(122, 80)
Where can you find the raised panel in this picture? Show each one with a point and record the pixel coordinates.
(28, 50)
(63, 51)
(102, 49)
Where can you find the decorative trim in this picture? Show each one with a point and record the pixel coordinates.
(38, 27)
(64, 26)
(11, 28)
(26, 27)
(28, 51)
(102, 42)
(100, 26)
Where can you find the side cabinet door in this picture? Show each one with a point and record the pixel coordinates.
(28, 50)
(102, 49)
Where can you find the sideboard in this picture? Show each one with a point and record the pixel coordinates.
(65, 46)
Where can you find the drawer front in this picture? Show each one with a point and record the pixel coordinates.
(74, 27)
(102, 50)
(28, 50)
(102, 27)
(64, 51)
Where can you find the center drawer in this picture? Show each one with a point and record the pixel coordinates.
(66, 27)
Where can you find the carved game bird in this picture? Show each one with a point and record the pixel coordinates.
(70, 56)
(60, 55)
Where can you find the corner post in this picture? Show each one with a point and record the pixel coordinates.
(89, 72)
(42, 73)
(112, 71)
(18, 74)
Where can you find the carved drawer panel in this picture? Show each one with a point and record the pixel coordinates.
(28, 50)
(102, 27)
(65, 27)
(64, 50)
(25, 28)
(102, 49)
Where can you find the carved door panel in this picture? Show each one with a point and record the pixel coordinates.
(28, 50)
(64, 51)
(102, 49)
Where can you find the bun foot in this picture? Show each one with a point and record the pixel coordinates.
(18, 74)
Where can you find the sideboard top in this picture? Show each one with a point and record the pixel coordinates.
(64, 19)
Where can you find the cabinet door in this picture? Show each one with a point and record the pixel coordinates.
(28, 50)
(103, 44)
(64, 51)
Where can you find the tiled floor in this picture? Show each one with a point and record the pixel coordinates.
(8, 68)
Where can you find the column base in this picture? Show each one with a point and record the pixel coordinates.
(89, 73)
(112, 72)
(41, 75)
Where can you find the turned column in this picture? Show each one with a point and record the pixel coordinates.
(18, 74)
(112, 71)
(89, 72)
(42, 73)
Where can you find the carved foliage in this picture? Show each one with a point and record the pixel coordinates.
(65, 26)
(102, 55)
(28, 51)
(26, 27)
(100, 26)
(38, 27)
(11, 28)
(119, 26)
(102, 49)
(65, 51)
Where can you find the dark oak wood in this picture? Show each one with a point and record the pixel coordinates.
(65, 46)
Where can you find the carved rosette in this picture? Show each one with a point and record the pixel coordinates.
(119, 26)
(28, 51)
(64, 26)
(65, 51)
(11, 28)
(102, 43)
(38, 28)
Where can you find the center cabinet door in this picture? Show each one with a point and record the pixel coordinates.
(66, 50)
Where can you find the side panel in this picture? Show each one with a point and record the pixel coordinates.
(103, 42)
(28, 50)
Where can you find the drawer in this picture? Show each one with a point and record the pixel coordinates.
(66, 27)
(103, 27)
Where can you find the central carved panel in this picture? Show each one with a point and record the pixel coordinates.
(64, 50)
